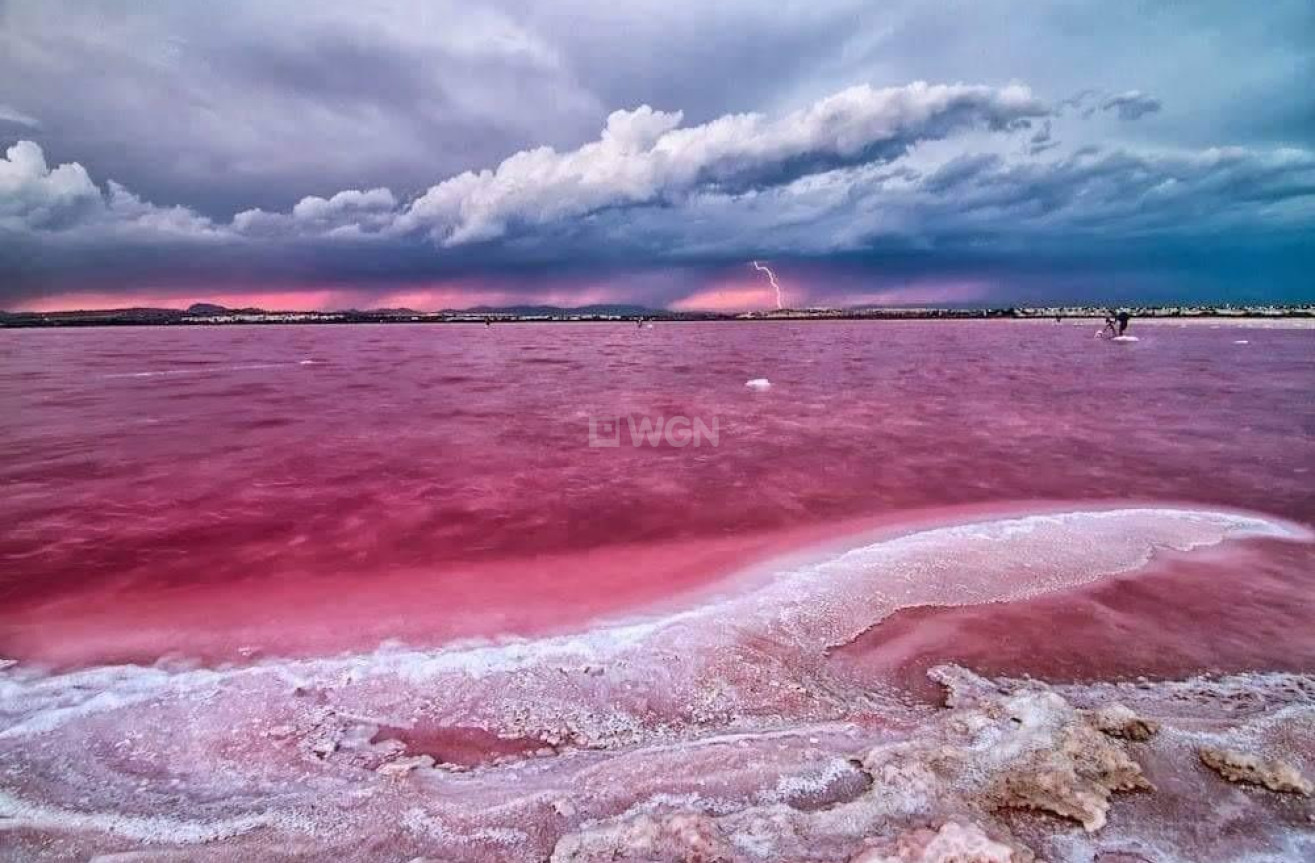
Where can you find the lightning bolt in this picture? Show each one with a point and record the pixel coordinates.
(780, 303)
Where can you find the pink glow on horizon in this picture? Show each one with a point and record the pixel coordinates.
(300, 300)
(457, 294)
(736, 292)
(736, 295)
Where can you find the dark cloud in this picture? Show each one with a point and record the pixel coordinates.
(1132, 105)
(1094, 209)
(262, 103)
(395, 143)
(642, 157)
(259, 103)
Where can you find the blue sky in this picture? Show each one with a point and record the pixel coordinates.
(445, 154)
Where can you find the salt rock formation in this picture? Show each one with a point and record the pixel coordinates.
(999, 746)
(1242, 767)
(683, 837)
(1037, 750)
(1074, 779)
(1119, 721)
(952, 843)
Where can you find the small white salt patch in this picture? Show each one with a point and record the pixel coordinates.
(759, 384)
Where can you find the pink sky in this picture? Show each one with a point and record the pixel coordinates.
(445, 295)
(728, 297)
(727, 292)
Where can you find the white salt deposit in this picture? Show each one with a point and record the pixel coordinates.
(719, 727)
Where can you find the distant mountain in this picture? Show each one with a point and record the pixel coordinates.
(206, 310)
(132, 312)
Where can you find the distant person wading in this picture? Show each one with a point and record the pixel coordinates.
(1116, 324)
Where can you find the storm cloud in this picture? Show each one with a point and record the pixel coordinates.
(515, 149)
(1132, 105)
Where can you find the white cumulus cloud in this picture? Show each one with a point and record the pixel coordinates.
(347, 213)
(36, 198)
(645, 156)
(34, 195)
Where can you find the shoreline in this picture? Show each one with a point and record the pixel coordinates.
(665, 739)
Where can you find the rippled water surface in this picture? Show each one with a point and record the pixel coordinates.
(223, 477)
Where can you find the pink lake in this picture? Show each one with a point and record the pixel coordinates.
(289, 489)
(259, 571)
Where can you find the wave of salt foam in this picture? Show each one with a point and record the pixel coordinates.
(995, 561)
(806, 609)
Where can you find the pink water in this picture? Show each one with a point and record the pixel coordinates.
(196, 490)
(239, 496)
